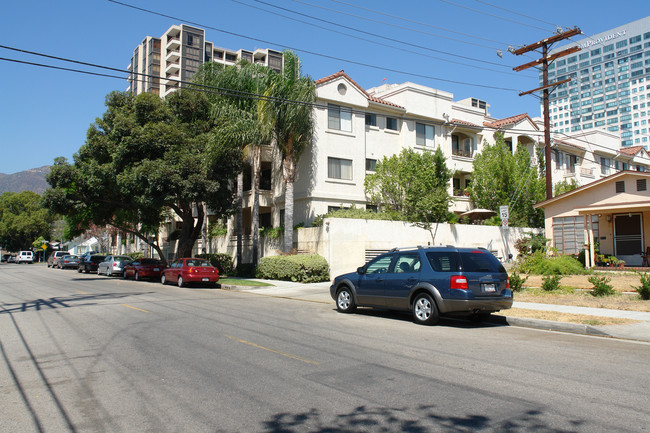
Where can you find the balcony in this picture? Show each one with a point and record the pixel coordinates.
(173, 43)
(173, 56)
(587, 172)
(172, 68)
(465, 153)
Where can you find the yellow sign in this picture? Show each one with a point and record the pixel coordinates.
(44, 247)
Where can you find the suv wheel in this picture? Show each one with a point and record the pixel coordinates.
(425, 311)
(344, 301)
(79, 270)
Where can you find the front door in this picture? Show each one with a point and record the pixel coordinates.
(628, 238)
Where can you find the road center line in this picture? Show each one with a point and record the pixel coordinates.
(83, 293)
(288, 355)
(135, 308)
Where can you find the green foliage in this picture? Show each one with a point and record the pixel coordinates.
(221, 261)
(414, 184)
(538, 263)
(23, 219)
(528, 244)
(564, 186)
(300, 268)
(216, 230)
(272, 232)
(644, 289)
(136, 255)
(551, 283)
(517, 282)
(143, 156)
(501, 177)
(601, 286)
(358, 213)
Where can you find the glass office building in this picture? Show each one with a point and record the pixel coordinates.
(609, 87)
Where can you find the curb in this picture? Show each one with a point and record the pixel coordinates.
(548, 325)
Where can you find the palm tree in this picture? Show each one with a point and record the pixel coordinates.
(288, 114)
(238, 110)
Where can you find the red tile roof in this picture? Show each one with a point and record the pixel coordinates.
(632, 150)
(464, 122)
(509, 120)
(566, 143)
(342, 73)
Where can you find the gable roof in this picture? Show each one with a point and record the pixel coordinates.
(610, 178)
(498, 124)
(342, 74)
(631, 151)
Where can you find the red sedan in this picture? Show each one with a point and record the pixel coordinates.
(188, 271)
(143, 268)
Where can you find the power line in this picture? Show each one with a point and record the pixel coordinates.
(394, 25)
(492, 15)
(422, 47)
(514, 12)
(418, 22)
(371, 41)
(428, 77)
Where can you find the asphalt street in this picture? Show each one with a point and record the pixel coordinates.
(88, 353)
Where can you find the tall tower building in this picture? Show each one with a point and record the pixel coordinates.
(160, 65)
(609, 87)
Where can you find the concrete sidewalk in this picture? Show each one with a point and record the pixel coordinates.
(319, 292)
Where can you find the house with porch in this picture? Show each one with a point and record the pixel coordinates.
(612, 212)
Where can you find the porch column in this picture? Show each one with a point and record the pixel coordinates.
(592, 259)
(586, 244)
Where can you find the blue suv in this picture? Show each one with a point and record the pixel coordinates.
(429, 282)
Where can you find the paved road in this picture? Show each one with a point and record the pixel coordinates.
(89, 353)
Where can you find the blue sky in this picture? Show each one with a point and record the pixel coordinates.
(45, 113)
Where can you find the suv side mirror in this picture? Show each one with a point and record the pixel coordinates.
(360, 270)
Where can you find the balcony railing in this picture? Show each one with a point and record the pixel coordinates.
(462, 152)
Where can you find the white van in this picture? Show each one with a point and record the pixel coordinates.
(25, 257)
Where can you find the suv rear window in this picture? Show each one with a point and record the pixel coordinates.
(479, 261)
(443, 261)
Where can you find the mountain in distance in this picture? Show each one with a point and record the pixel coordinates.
(28, 180)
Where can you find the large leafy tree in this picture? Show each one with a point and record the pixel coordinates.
(288, 113)
(23, 219)
(145, 157)
(414, 184)
(503, 178)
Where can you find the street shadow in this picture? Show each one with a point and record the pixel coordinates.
(448, 321)
(57, 302)
(425, 418)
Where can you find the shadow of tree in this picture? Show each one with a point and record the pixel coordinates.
(412, 420)
(62, 302)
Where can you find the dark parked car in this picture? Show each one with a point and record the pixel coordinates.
(428, 282)
(113, 265)
(69, 261)
(89, 263)
(144, 268)
(5, 257)
(188, 271)
(52, 260)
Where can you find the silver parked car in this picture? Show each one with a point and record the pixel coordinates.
(113, 265)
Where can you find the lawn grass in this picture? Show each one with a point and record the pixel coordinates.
(581, 297)
(233, 281)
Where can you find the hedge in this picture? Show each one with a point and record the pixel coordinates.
(299, 268)
(221, 261)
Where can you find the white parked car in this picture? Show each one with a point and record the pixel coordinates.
(25, 257)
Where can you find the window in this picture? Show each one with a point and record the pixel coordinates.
(407, 263)
(620, 187)
(380, 265)
(569, 233)
(604, 165)
(371, 119)
(423, 134)
(641, 185)
(391, 123)
(338, 168)
(339, 118)
(371, 164)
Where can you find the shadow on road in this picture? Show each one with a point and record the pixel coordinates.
(449, 321)
(63, 302)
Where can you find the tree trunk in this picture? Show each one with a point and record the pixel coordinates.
(154, 245)
(256, 168)
(240, 217)
(191, 229)
(289, 174)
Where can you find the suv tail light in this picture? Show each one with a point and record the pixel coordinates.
(458, 282)
(507, 282)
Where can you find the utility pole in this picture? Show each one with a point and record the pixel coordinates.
(544, 61)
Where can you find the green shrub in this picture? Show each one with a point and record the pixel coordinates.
(538, 263)
(300, 268)
(601, 286)
(136, 255)
(356, 213)
(272, 232)
(644, 289)
(221, 261)
(551, 283)
(517, 282)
